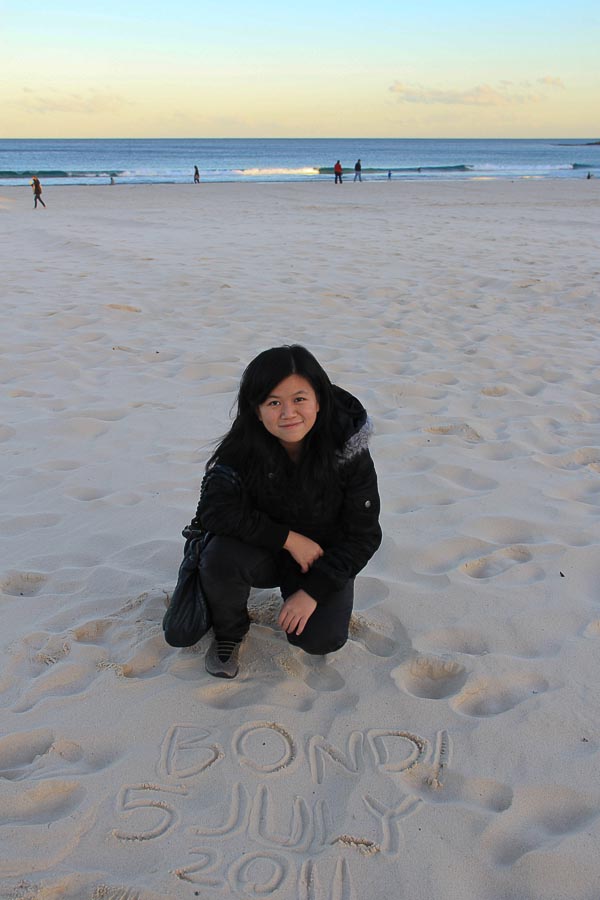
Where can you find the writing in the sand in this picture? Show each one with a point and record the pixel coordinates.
(287, 800)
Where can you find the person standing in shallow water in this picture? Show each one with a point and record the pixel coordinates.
(196, 175)
(338, 172)
(37, 192)
(289, 500)
(358, 170)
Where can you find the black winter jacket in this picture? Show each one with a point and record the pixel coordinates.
(346, 526)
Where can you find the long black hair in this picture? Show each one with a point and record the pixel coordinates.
(252, 450)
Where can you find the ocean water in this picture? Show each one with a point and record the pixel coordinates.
(155, 161)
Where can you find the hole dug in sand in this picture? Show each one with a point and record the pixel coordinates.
(430, 677)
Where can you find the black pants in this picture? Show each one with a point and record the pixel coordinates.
(229, 568)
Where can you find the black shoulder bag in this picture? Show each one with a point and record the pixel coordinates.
(187, 618)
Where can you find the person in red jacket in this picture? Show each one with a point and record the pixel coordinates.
(338, 171)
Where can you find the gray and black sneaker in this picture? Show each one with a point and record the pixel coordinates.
(222, 658)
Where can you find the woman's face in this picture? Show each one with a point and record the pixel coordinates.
(290, 411)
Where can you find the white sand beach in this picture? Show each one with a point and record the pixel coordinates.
(451, 750)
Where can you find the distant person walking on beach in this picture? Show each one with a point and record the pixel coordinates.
(37, 192)
(358, 170)
(338, 172)
(196, 175)
(389, 174)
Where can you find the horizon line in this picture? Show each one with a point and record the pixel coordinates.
(272, 138)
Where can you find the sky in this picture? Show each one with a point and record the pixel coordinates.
(269, 69)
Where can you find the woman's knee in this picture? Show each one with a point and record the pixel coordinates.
(229, 561)
(318, 645)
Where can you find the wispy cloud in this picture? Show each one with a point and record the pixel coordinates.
(550, 81)
(89, 102)
(504, 93)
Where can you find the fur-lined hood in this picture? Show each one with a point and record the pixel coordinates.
(353, 427)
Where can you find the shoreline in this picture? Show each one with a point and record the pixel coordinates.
(552, 185)
(581, 173)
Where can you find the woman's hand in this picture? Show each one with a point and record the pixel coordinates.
(303, 550)
(296, 611)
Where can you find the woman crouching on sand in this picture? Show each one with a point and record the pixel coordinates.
(290, 499)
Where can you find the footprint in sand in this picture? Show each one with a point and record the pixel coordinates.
(148, 660)
(63, 679)
(85, 886)
(461, 430)
(496, 563)
(20, 750)
(29, 660)
(39, 754)
(369, 592)
(23, 584)
(583, 491)
(317, 673)
(593, 629)
(86, 493)
(43, 803)
(24, 524)
(19, 393)
(539, 818)
(430, 677)
(81, 427)
(479, 793)
(448, 554)
(531, 388)
(366, 633)
(106, 415)
(492, 696)
(124, 307)
(465, 478)
(585, 457)
(91, 632)
(495, 391)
